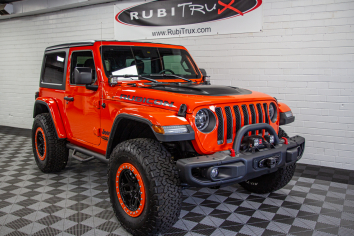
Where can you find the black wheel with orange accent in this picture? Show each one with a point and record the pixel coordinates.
(144, 187)
(50, 153)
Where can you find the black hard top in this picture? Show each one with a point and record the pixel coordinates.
(85, 43)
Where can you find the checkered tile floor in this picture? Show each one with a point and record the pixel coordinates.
(318, 201)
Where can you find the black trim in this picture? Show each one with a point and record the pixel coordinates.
(51, 85)
(242, 167)
(265, 106)
(229, 123)
(201, 89)
(220, 116)
(86, 152)
(159, 137)
(69, 45)
(182, 110)
(247, 128)
(253, 116)
(285, 120)
(238, 117)
(92, 42)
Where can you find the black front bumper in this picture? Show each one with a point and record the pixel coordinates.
(242, 167)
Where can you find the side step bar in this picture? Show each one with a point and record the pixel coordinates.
(92, 154)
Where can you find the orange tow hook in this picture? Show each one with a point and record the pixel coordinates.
(232, 152)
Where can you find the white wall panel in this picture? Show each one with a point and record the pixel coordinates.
(304, 57)
(22, 43)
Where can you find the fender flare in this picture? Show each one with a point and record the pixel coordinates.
(283, 107)
(53, 109)
(283, 119)
(159, 137)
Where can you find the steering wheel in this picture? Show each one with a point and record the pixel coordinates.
(166, 70)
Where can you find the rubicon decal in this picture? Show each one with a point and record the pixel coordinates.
(150, 101)
(184, 12)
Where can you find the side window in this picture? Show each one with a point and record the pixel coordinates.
(82, 59)
(54, 68)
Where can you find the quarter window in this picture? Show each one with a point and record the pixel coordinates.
(54, 68)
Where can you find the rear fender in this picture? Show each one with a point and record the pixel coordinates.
(43, 105)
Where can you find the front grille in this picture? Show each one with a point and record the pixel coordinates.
(238, 117)
(260, 116)
(266, 112)
(253, 116)
(234, 117)
(229, 124)
(245, 115)
(218, 112)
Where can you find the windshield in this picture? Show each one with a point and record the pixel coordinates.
(148, 62)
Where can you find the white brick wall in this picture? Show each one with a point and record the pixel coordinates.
(22, 43)
(304, 57)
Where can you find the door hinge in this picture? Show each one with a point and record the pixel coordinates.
(97, 104)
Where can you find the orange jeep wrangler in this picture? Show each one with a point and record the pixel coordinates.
(148, 111)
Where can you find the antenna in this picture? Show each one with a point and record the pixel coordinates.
(101, 32)
(102, 68)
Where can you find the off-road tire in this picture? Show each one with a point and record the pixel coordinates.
(160, 177)
(274, 181)
(56, 153)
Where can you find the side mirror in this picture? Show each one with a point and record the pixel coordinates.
(203, 71)
(206, 78)
(83, 75)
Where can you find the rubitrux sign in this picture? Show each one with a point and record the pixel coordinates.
(161, 18)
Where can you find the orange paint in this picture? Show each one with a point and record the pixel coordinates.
(40, 132)
(80, 120)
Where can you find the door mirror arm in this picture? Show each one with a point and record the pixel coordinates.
(92, 87)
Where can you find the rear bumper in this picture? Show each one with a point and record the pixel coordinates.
(242, 167)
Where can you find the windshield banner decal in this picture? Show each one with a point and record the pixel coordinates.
(151, 19)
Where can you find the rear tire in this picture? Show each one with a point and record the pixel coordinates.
(144, 187)
(50, 153)
(273, 181)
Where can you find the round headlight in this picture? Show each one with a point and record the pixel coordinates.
(272, 112)
(202, 119)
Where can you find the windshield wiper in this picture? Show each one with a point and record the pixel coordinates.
(176, 76)
(138, 76)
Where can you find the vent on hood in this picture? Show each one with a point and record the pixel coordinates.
(206, 90)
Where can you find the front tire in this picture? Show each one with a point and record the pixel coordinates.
(274, 181)
(50, 153)
(144, 187)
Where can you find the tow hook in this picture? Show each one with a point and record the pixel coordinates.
(270, 162)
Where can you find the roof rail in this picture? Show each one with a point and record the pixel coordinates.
(68, 45)
(90, 43)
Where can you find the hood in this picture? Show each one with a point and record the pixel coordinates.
(173, 96)
(206, 90)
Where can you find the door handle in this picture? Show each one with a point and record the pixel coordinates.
(69, 99)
